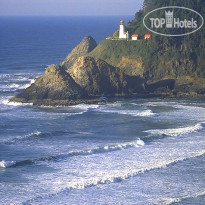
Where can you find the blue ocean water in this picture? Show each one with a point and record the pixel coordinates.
(129, 151)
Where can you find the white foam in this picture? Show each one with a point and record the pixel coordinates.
(5, 164)
(85, 106)
(18, 77)
(177, 105)
(121, 146)
(37, 134)
(177, 131)
(83, 172)
(168, 201)
(114, 104)
(106, 148)
(118, 175)
(144, 113)
(108, 109)
(13, 85)
(10, 103)
(125, 174)
(134, 104)
(21, 86)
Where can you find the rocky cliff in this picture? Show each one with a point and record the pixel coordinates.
(80, 79)
(99, 78)
(85, 47)
(160, 59)
(160, 66)
(54, 85)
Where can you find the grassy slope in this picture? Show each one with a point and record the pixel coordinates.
(181, 58)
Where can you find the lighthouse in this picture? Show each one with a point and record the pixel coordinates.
(122, 33)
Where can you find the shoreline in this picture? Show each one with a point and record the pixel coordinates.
(97, 100)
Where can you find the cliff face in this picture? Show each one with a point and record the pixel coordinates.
(85, 47)
(98, 77)
(54, 84)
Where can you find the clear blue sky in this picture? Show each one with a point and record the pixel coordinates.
(68, 7)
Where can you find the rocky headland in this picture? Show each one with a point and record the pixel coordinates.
(160, 66)
(80, 79)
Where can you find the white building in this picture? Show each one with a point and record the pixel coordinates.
(122, 32)
(134, 37)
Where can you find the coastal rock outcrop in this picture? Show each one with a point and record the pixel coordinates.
(160, 60)
(156, 67)
(99, 78)
(54, 84)
(84, 82)
(83, 48)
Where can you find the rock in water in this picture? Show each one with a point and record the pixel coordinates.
(85, 47)
(54, 84)
(80, 80)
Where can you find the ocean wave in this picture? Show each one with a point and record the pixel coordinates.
(20, 138)
(125, 174)
(6, 164)
(9, 164)
(178, 131)
(114, 104)
(169, 201)
(114, 176)
(17, 86)
(177, 105)
(14, 82)
(21, 86)
(136, 113)
(85, 106)
(98, 150)
(108, 109)
(19, 76)
(10, 103)
(37, 135)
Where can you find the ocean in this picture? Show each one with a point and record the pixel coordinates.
(126, 152)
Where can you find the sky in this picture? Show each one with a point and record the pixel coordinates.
(69, 7)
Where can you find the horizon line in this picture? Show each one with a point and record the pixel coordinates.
(62, 15)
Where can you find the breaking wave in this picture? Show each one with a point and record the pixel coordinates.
(85, 106)
(5, 164)
(98, 150)
(178, 131)
(115, 177)
(108, 109)
(144, 113)
(13, 83)
(17, 77)
(10, 103)
(169, 201)
(20, 86)
(125, 174)
(36, 134)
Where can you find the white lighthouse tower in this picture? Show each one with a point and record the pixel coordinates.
(122, 33)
